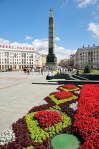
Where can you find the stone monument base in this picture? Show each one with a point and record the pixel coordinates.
(51, 66)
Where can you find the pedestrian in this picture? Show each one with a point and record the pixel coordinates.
(42, 71)
(49, 76)
(28, 71)
(24, 70)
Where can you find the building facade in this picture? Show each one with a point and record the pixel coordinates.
(64, 63)
(72, 59)
(19, 57)
(44, 56)
(87, 56)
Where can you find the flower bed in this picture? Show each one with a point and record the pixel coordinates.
(63, 95)
(65, 112)
(39, 131)
(68, 87)
(87, 116)
(60, 97)
(48, 118)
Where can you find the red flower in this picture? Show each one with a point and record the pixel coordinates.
(63, 95)
(86, 118)
(48, 118)
(91, 143)
(69, 86)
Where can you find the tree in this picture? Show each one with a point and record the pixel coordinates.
(87, 69)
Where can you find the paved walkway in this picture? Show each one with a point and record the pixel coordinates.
(19, 93)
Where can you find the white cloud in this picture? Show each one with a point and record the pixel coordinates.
(15, 44)
(28, 38)
(57, 39)
(84, 3)
(41, 45)
(94, 28)
(61, 52)
(3, 41)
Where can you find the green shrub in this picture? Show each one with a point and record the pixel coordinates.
(87, 69)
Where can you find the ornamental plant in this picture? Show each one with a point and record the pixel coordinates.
(36, 129)
(29, 147)
(7, 136)
(56, 101)
(90, 144)
(63, 95)
(48, 118)
(56, 107)
(39, 134)
(86, 117)
(68, 87)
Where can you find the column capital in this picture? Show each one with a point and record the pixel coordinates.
(51, 12)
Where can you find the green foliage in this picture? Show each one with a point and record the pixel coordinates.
(87, 69)
(56, 107)
(36, 133)
(69, 90)
(77, 72)
(66, 121)
(29, 147)
(39, 134)
(52, 97)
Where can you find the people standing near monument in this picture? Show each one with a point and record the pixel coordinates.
(49, 75)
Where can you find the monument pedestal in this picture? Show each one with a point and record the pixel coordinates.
(51, 62)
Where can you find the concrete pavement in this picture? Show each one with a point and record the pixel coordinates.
(19, 93)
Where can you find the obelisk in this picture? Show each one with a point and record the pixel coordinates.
(51, 58)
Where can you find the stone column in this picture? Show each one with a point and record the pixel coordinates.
(51, 31)
(51, 60)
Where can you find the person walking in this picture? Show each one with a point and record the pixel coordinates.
(42, 71)
(28, 71)
(24, 70)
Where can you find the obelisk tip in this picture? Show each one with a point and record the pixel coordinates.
(51, 9)
(51, 12)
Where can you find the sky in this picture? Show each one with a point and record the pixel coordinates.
(76, 22)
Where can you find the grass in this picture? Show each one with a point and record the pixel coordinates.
(95, 72)
(92, 72)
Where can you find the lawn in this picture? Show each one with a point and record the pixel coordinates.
(95, 72)
(92, 72)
